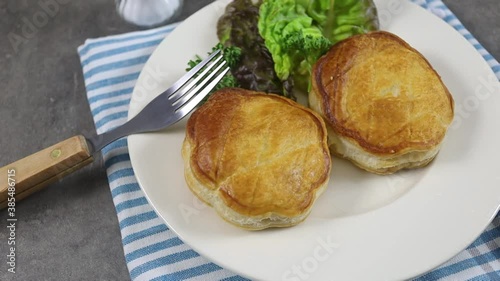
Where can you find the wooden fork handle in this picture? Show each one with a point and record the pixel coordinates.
(32, 173)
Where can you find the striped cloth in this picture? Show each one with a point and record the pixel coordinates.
(111, 66)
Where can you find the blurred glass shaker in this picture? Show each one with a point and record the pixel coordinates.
(148, 13)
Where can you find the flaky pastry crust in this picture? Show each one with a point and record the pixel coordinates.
(260, 160)
(386, 108)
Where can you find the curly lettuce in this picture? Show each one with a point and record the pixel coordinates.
(255, 69)
(298, 32)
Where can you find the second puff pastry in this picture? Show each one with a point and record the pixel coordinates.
(385, 107)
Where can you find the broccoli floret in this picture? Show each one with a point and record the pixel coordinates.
(298, 32)
(304, 50)
(308, 46)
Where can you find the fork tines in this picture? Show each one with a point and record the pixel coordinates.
(198, 82)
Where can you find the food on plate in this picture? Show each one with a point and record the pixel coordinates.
(232, 56)
(237, 27)
(260, 160)
(298, 32)
(385, 107)
(280, 40)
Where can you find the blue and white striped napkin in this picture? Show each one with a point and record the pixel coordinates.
(111, 66)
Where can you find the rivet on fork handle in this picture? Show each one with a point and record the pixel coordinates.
(36, 171)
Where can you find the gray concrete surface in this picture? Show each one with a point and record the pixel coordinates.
(69, 231)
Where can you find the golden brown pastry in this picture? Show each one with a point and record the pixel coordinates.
(260, 160)
(385, 107)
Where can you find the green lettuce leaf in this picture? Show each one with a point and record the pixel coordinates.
(255, 69)
(298, 32)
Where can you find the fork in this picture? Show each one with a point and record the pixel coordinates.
(32, 173)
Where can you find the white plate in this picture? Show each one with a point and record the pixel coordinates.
(364, 227)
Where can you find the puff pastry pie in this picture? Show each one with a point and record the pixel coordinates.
(260, 160)
(385, 107)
